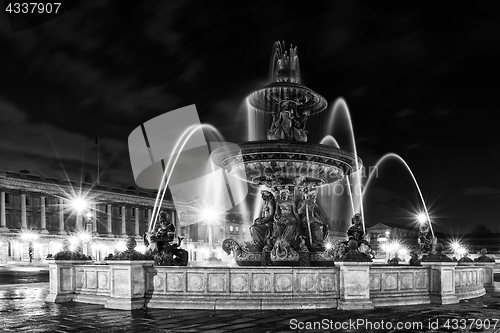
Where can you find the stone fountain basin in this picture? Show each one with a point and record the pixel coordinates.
(348, 285)
(282, 162)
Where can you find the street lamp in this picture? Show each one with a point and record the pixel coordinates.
(80, 205)
(29, 236)
(210, 214)
(88, 224)
(422, 218)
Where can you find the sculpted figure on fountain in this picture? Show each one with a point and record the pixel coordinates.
(299, 129)
(355, 231)
(262, 227)
(425, 239)
(286, 219)
(312, 222)
(287, 124)
(159, 244)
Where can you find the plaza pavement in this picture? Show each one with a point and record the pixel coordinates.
(23, 309)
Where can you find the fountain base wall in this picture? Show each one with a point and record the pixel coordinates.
(242, 288)
(132, 285)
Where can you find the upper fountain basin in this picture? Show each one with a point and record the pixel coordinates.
(280, 162)
(269, 98)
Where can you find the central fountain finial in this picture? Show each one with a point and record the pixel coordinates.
(289, 102)
(284, 65)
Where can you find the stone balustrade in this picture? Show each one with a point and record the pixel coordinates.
(348, 285)
(242, 288)
(399, 285)
(469, 281)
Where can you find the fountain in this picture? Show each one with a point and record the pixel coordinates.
(287, 264)
(290, 168)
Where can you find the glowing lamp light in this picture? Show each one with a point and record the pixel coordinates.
(140, 248)
(461, 250)
(73, 240)
(85, 236)
(455, 246)
(210, 214)
(56, 247)
(79, 204)
(29, 236)
(402, 252)
(422, 218)
(328, 245)
(120, 246)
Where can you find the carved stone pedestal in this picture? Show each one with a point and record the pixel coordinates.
(128, 280)
(63, 280)
(442, 282)
(354, 285)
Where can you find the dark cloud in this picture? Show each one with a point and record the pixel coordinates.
(481, 191)
(419, 80)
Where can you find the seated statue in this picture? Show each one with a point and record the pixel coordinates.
(312, 220)
(465, 258)
(414, 261)
(483, 257)
(425, 239)
(355, 231)
(158, 243)
(286, 219)
(262, 226)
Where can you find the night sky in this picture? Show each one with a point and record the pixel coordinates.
(420, 80)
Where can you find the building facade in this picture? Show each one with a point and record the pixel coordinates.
(38, 213)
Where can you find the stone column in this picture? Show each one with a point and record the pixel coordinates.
(442, 284)
(3, 219)
(61, 217)
(43, 217)
(24, 224)
(94, 218)
(124, 220)
(136, 210)
(150, 217)
(110, 222)
(354, 285)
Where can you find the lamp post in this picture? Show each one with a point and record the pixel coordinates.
(382, 240)
(88, 222)
(210, 240)
(210, 214)
(30, 237)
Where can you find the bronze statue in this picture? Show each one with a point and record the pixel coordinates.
(313, 225)
(425, 240)
(262, 226)
(158, 243)
(355, 231)
(287, 124)
(286, 219)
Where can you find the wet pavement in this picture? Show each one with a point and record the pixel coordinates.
(23, 309)
(23, 274)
